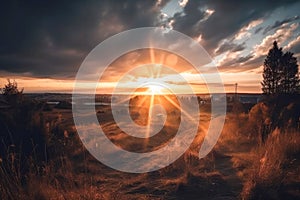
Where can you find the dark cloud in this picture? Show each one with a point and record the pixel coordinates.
(234, 63)
(229, 17)
(259, 29)
(53, 37)
(244, 58)
(242, 63)
(230, 46)
(255, 62)
(279, 23)
(187, 22)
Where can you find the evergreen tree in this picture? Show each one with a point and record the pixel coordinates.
(271, 74)
(280, 73)
(290, 78)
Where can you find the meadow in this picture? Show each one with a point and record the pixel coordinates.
(256, 156)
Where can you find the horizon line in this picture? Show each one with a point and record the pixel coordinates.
(70, 93)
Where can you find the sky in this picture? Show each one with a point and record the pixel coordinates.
(43, 43)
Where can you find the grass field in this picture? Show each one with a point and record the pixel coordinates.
(42, 157)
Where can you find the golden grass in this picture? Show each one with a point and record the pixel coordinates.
(70, 172)
(270, 165)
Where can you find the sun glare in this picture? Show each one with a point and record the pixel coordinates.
(155, 89)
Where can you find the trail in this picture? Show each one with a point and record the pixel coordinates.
(225, 166)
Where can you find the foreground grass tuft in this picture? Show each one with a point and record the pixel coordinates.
(271, 166)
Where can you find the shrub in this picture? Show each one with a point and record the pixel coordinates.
(259, 122)
(11, 92)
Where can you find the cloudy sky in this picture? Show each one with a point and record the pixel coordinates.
(43, 43)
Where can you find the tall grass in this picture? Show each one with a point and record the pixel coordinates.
(58, 166)
(33, 154)
(270, 163)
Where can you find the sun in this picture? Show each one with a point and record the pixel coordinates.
(155, 89)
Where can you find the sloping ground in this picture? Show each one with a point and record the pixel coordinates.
(188, 178)
(70, 172)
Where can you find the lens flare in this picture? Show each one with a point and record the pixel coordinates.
(155, 89)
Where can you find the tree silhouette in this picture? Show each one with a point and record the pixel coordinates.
(290, 79)
(280, 73)
(11, 92)
(11, 88)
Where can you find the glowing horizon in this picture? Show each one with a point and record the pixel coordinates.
(38, 85)
(141, 68)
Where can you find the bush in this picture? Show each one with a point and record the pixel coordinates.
(279, 112)
(259, 122)
(11, 92)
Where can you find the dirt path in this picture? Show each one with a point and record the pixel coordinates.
(225, 166)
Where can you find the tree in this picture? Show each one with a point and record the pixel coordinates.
(271, 75)
(11, 92)
(11, 88)
(290, 79)
(280, 73)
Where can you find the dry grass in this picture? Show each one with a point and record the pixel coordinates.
(266, 169)
(270, 164)
(269, 169)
